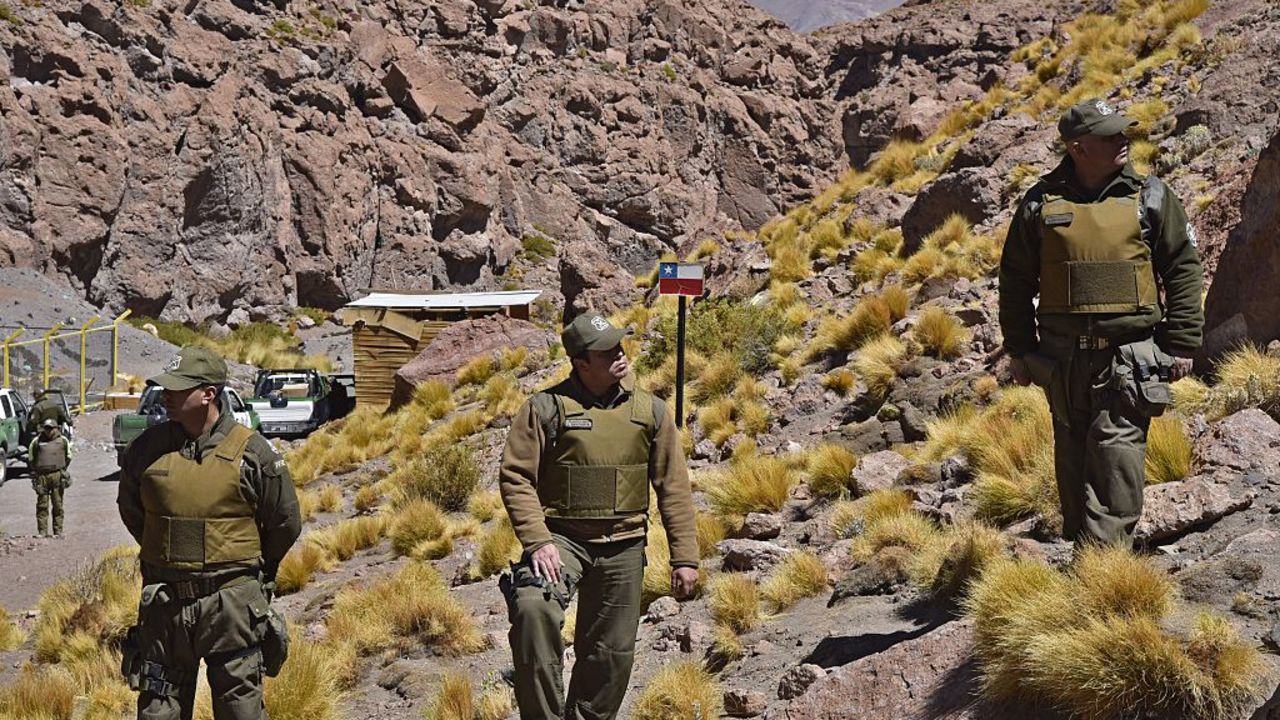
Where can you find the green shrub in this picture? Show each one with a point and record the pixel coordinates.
(746, 331)
(445, 475)
(537, 247)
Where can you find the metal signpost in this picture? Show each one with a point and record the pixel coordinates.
(684, 280)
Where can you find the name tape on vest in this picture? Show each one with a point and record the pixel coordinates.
(1059, 219)
(577, 424)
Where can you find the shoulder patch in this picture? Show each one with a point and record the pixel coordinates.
(1191, 236)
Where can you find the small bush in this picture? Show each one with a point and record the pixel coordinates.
(414, 524)
(682, 691)
(800, 575)
(8, 15)
(746, 332)
(309, 686)
(445, 475)
(940, 334)
(1246, 378)
(734, 601)
(755, 484)
(485, 506)
(1168, 450)
(537, 247)
(299, 566)
(367, 499)
(877, 364)
(829, 467)
(406, 609)
(501, 395)
(717, 378)
(477, 371)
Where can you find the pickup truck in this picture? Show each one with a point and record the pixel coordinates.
(13, 429)
(128, 426)
(294, 402)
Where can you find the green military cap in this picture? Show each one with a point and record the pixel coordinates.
(1093, 117)
(591, 331)
(194, 366)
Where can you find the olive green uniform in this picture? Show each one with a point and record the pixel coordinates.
(206, 570)
(576, 472)
(46, 409)
(50, 458)
(1100, 338)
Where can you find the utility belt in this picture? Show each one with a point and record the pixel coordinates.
(1097, 342)
(198, 587)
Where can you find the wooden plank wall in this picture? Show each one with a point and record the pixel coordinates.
(379, 353)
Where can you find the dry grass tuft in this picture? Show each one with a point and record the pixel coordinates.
(877, 363)
(446, 475)
(946, 568)
(309, 686)
(798, 576)
(299, 567)
(910, 530)
(406, 609)
(1113, 581)
(11, 636)
(841, 380)
(414, 525)
(682, 691)
(455, 700)
(477, 371)
(711, 530)
(754, 484)
(734, 601)
(498, 547)
(940, 334)
(1168, 450)
(828, 467)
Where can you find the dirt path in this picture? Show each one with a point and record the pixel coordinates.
(29, 564)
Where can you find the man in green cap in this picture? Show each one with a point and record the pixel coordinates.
(50, 455)
(575, 477)
(1113, 259)
(214, 511)
(46, 408)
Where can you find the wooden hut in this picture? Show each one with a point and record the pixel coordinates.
(388, 329)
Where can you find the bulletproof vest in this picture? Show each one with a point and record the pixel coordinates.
(195, 513)
(51, 455)
(1093, 258)
(597, 463)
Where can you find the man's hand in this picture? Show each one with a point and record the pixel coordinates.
(1021, 375)
(682, 581)
(1180, 368)
(546, 562)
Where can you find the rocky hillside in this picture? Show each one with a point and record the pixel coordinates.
(876, 509)
(276, 155)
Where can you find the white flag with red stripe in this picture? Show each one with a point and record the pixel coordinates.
(680, 279)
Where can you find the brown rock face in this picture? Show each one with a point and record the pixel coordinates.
(460, 343)
(1235, 309)
(187, 159)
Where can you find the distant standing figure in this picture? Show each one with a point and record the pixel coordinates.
(50, 455)
(46, 408)
(1098, 242)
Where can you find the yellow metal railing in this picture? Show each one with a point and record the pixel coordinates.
(83, 333)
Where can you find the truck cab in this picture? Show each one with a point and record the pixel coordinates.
(293, 402)
(13, 429)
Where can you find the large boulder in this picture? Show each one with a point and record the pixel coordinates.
(975, 193)
(1236, 308)
(462, 342)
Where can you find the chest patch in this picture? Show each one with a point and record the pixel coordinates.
(577, 423)
(1059, 219)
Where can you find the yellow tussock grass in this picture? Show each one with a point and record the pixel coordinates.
(798, 576)
(946, 568)
(476, 371)
(840, 381)
(411, 606)
(711, 530)
(367, 499)
(681, 691)
(498, 547)
(501, 395)
(828, 469)
(734, 601)
(940, 334)
(415, 523)
(485, 506)
(910, 530)
(300, 566)
(1168, 450)
(754, 484)
(309, 686)
(877, 363)
(11, 636)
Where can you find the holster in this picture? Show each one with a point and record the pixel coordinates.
(274, 642)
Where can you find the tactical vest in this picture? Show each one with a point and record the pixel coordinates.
(1093, 258)
(597, 463)
(195, 513)
(51, 455)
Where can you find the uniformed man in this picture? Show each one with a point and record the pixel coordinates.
(213, 509)
(1113, 259)
(575, 477)
(50, 455)
(46, 408)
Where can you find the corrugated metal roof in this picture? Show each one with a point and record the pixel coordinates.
(447, 301)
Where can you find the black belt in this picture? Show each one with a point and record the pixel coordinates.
(204, 586)
(1094, 342)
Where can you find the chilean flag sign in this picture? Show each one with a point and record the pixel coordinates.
(680, 279)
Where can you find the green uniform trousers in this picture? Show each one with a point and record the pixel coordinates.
(49, 488)
(223, 629)
(608, 578)
(1100, 444)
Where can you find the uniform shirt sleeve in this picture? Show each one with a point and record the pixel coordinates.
(670, 478)
(1020, 281)
(129, 494)
(264, 478)
(518, 479)
(1177, 262)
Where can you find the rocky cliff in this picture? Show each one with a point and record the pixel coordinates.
(191, 159)
(807, 15)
